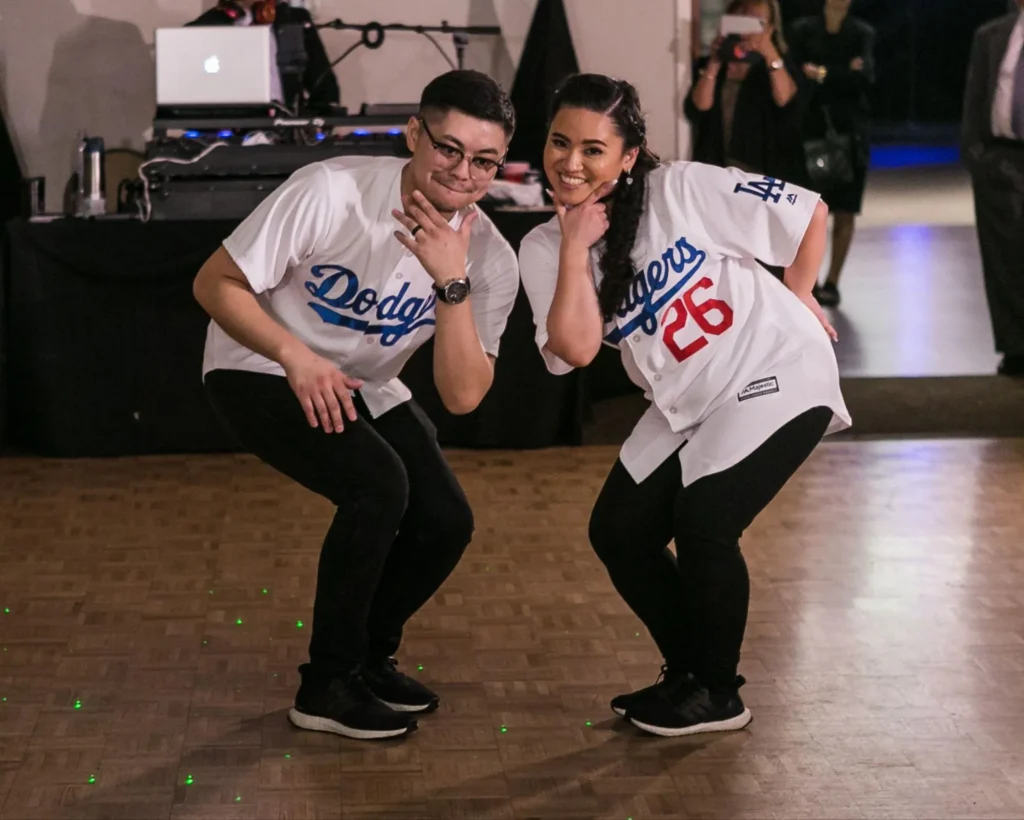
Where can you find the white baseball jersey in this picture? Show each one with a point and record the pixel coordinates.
(725, 352)
(321, 255)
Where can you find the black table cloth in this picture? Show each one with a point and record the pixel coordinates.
(102, 344)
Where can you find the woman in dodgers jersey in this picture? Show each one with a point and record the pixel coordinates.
(659, 260)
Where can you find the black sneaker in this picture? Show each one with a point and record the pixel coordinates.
(827, 295)
(396, 689)
(346, 706)
(691, 711)
(668, 680)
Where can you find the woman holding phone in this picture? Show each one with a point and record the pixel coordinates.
(659, 260)
(745, 106)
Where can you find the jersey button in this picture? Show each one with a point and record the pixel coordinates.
(369, 341)
(672, 410)
(657, 377)
(398, 276)
(637, 338)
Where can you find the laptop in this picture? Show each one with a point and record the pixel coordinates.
(216, 65)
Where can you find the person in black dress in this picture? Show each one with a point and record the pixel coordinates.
(835, 51)
(746, 113)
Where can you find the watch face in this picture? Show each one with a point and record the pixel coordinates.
(455, 292)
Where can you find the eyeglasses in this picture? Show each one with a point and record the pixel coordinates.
(452, 157)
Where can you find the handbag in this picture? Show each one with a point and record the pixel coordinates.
(829, 161)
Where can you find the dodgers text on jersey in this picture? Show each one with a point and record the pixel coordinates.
(341, 302)
(654, 288)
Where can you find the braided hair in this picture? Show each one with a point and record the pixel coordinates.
(619, 101)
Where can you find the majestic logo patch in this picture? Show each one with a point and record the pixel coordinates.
(340, 301)
(762, 387)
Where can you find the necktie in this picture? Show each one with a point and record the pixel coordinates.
(1017, 112)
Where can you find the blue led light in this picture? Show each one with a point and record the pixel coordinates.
(361, 132)
(225, 134)
(192, 135)
(395, 131)
(913, 156)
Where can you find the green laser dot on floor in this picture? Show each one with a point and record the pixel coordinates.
(92, 778)
(589, 723)
(298, 624)
(78, 704)
(7, 611)
(287, 757)
(238, 621)
(419, 668)
(264, 590)
(189, 781)
(504, 729)
(238, 798)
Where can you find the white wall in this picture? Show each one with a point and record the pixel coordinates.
(636, 42)
(71, 65)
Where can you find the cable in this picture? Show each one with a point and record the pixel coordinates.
(330, 70)
(285, 108)
(146, 209)
(376, 44)
(438, 47)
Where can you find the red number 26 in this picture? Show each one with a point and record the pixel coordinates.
(686, 307)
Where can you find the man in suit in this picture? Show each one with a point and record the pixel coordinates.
(993, 147)
(318, 86)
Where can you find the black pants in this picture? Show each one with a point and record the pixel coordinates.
(695, 604)
(402, 521)
(999, 209)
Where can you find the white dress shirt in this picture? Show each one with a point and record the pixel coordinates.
(1002, 107)
(724, 351)
(321, 256)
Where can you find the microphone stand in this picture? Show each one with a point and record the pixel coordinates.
(373, 33)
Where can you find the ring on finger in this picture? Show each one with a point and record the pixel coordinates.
(415, 228)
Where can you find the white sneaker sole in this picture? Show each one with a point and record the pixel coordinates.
(619, 711)
(322, 724)
(405, 707)
(730, 725)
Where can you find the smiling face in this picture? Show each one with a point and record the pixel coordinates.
(584, 150)
(454, 157)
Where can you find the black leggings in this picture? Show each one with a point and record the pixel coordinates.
(695, 606)
(402, 521)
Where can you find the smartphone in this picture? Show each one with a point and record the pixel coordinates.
(740, 24)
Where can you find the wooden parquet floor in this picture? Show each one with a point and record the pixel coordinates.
(154, 608)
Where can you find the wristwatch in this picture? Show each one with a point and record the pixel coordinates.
(775, 65)
(452, 292)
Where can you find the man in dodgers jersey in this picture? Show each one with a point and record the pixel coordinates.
(318, 299)
(738, 367)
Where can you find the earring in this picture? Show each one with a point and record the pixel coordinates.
(629, 179)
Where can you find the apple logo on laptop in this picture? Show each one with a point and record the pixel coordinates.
(212, 65)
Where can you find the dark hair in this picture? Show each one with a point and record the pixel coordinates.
(619, 101)
(474, 94)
